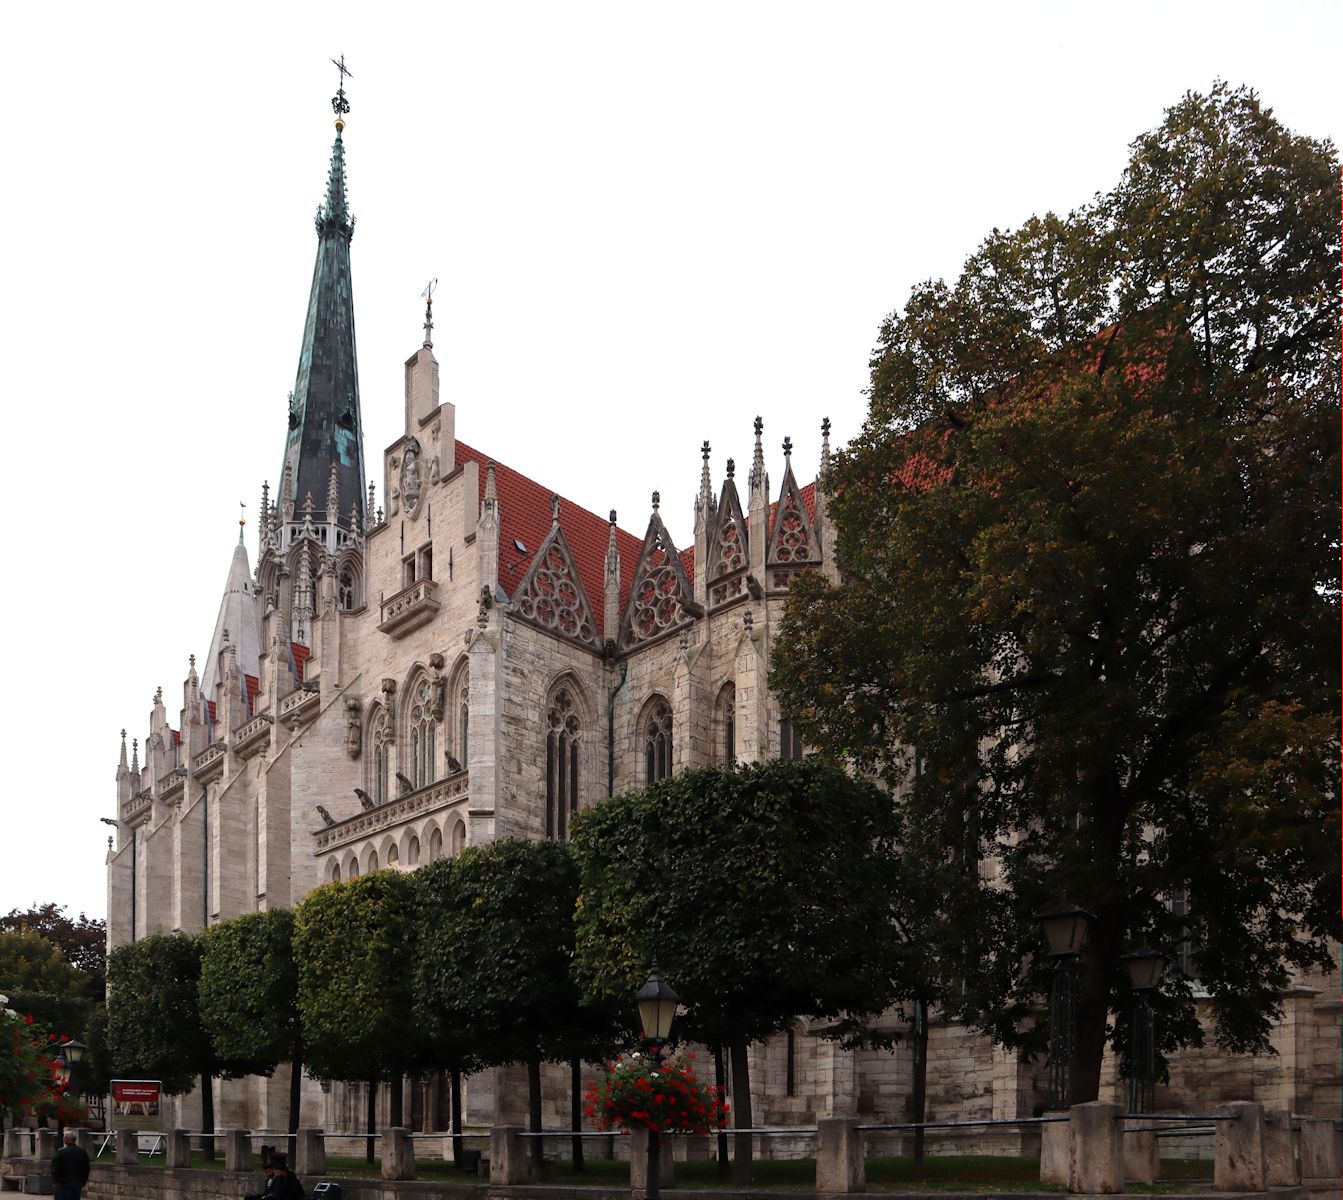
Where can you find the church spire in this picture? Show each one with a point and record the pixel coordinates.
(325, 428)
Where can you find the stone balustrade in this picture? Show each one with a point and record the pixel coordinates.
(251, 736)
(136, 810)
(170, 787)
(409, 608)
(209, 763)
(443, 793)
(299, 705)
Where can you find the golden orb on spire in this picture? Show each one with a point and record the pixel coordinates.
(340, 125)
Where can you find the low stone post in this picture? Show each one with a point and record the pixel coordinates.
(398, 1153)
(13, 1143)
(310, 1152)
(1238, 1149)
(47, 1144)
(84, 1140)
(1279, 1152)
(1319, 1149)
(177, 1148)
(1095, 1148)
(128, 1147)
(238, 1150)
(639, 1161)
(1142, 1163)
(1054, 1149)
(692, 1147)
(840, 1166)
(508, 1157)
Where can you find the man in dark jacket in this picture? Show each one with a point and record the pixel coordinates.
(286, 1184)
(69, 1169)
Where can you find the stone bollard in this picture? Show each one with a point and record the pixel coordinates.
(1054, 1149)
(1319, 1149)
(128, 1147)
(639, 1161)
(508, 1156)
(238, 1150)
(310, 1152)
(177, 1149)
(46, 1145)
(840, 1166)
(398, 1153)
(1238, 1149)
(1095, 1148)
(13, 1143)
(1142, 1163)
(1279, 1152)
(84, 1140)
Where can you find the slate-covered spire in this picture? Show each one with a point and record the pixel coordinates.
(325, 427)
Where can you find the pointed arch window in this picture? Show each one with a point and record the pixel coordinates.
(422, 732)
(563, 730)
(435, 844)
(380, 736)
(657, 740)
(345, 590)
(725, 724)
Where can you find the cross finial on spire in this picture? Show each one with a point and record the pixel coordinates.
(788, 447)
(428, 295)
(193, 661)
(242, 520)
(704, 450)
(825, 445)
(657, 499)
(731, 467)
(339, 105)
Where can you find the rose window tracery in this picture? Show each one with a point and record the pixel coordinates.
(792, 541)
(551, 597)
(657, 602)
(730, 556)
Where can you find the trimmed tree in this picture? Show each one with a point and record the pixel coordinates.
(764, 893)
(1090, 622)
(353, 945)
(249, 998)
(154, 1026)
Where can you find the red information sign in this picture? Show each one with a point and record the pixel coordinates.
(136, 1103)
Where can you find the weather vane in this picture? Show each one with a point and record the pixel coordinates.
(428, 295)
(340, 106)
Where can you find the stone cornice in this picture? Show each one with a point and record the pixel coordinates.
(445, 793)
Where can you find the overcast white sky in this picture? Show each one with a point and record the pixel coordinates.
(648, 222)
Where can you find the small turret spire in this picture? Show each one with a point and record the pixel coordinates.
(705, 482)
(121, 763)
(371, 501)
(788, 449)
(135, 756)
(428, 295)
(554, 510)
(491, 496)
(657, 500)
(825, 446)
(333, 495)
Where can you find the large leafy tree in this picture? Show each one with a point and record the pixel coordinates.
(1090, 618)
(498, 930)
(353, 944)
(249, 997)
(82, 941)
(154, 1027)
(764, 893)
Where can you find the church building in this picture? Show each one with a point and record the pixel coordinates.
(452, 653)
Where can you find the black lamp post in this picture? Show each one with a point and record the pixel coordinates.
(657, 1009)
(67, 1070)
(1145, 967)
(1065, 929)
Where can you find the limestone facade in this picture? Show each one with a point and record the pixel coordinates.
(478, 659)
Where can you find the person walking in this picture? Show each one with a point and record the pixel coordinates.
(69, 1169)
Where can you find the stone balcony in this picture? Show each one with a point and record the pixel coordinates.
(299, 706)
(444, 793)
(409, 608)
(209, 763)
(136, 810)
(252, 736)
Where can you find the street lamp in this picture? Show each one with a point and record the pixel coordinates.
(657, 1003)
(1145, 967)
(67, 1070)
(1065, 929)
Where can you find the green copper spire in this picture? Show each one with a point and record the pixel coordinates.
(324, 420)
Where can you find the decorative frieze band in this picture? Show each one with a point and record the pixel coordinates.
(434, 796)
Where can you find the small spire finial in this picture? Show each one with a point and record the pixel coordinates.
(759, 426)
(554, 508)
(657, 499)
(758, 460)
(613, 516)
(731, 467)
(242, 520)
(158, 695)
(192, 657)
(704, 450)
(788, 447)
(428, 295)
(339, 105)
(825, 445)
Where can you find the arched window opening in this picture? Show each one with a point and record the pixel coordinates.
(726, 724)
(435, 845)
(458, 838)
(463, 722)
(561, 764)
(422, 733)
(345, 590)
(790, 741)
(372, 862)
(380, 736)
(335, 872)
(413, 852)
(393, 856)
(657, 734)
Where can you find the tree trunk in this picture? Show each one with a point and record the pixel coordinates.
(396, 1117)
(295, 1097)
(741, 1103)
(371, 1117)
(207, 1117)
(720, 1082)
(576, 1109)
(920, 1082)
(534, 1110)
(455, 1076)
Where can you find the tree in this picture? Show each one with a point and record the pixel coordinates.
(30, 963)
(1090, 622)
(353, 944)
(82, 942)
(764, 893)
(154, 1025)
(249, 998)
(498, 930)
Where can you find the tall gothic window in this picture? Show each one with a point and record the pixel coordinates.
(345, 590)
(725, 724)
(422, 732)
(657, 738)
(463, 722)
(562, 747)
(790, 741)
(380, 735)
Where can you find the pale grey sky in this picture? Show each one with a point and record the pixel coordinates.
(648, 222)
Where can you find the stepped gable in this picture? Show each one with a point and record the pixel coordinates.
(525, 516)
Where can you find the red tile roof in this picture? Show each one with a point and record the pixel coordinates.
(524, 510)
(301, 654)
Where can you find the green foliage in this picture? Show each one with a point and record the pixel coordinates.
(763, 893)
(154, 1025)
(354, 945)
(1091, 574)
(498, 938)
(30, 963)
(249, 992)
(26, 1079)
(83, 942)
